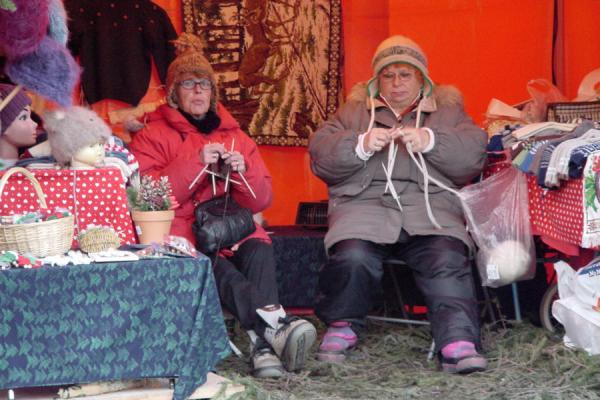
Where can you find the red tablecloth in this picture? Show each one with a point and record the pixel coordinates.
(556, 214)
(95, 196)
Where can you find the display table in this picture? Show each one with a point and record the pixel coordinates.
(111, 321)
(299, 254)
(95, 196)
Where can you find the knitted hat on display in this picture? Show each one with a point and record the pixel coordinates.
(190, 59)
(73, 129)
(57, 23)
(49, 71)
(14, 107)
(399, 49)
(22, 30)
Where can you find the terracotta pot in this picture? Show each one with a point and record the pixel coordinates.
(152, 226)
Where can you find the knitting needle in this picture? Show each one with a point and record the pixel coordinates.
(214, 184)
(247, 184)
(223, 177)
(198, 176)
(229, 170)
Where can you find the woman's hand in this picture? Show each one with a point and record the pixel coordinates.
(376, 139)
(236, 160)
(415, 139)
(211, 153)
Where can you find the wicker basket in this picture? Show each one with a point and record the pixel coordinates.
(47, 238)
(97, 239)
(573, 111)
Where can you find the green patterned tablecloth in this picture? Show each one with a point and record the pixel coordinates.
(87, 323)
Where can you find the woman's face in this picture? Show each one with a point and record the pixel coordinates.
(400, 84)
(22, 132)
(193, 94)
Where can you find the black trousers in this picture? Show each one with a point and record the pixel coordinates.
(247, 281)
(442, 272)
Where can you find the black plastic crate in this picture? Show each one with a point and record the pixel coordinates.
(312, 214)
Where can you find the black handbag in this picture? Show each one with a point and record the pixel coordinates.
(221, 223)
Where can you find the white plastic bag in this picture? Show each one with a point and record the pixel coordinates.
(577, 309)
(497, 214)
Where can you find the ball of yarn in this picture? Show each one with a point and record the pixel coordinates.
(512, 259)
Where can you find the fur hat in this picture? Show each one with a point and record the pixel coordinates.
(14, 107)
(49, 71)
(190, 59)
(73, 129)
(22, 30)
(399, 49)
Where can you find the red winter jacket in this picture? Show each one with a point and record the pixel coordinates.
(170, 146)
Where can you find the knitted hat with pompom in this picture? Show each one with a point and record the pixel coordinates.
(190, 59)
(399, 49)
(72, 129)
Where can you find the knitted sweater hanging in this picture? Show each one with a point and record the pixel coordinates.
(116, 41)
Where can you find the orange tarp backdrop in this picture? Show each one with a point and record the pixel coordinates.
(487, 48)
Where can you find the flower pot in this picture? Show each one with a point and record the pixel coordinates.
(152, 226)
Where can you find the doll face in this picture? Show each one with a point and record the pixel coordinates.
(89, 156)
(22, 132)
(399, 84)
(193, 94)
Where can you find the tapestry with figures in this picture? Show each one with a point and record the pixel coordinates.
(277, 61)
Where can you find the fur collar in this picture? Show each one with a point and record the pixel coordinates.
(443, 95)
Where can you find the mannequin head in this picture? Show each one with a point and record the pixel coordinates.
(88, 157)
(77, 136)
(17, 129)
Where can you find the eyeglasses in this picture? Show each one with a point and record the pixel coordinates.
(403, 76)
(190, 84)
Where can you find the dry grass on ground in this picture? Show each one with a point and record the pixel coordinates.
(525, 362)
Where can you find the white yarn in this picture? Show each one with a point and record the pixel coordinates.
(511, 260)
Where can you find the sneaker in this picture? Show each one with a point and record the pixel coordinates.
(338, 340)
(265, 364)
(461, 357)
(291, 340)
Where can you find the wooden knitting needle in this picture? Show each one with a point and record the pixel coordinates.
(247, 184)
(198, 176)
(230, 166)
(223, 177)
(214, 184)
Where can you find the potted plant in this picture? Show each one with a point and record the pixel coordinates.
(152, 207)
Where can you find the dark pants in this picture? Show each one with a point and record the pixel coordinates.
(442, 272)
(247, 281)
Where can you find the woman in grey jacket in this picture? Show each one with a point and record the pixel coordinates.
(377, 156)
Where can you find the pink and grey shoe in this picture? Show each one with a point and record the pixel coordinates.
(338, 339)
(461, 357)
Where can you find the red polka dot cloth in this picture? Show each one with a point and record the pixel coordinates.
(94, 197)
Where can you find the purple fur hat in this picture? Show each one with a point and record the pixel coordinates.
(49, 71)
(21, 31)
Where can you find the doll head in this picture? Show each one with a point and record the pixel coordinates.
(76, 135)
(17, 129)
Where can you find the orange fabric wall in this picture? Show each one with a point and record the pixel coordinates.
(580, 49)
(488, 48)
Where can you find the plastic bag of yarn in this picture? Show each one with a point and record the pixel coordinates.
(497, 213)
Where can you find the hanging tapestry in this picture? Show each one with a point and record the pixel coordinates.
(277, 62)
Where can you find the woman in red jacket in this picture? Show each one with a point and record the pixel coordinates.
(180, 139)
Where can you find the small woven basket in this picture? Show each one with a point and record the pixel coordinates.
(46, 238)
(97, 239)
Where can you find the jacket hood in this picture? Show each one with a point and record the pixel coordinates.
(443, 95)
